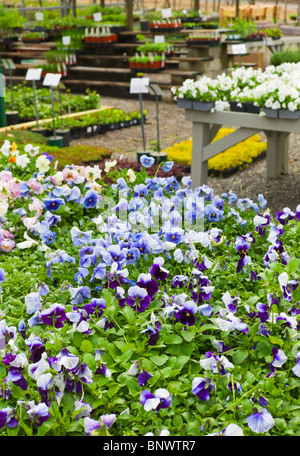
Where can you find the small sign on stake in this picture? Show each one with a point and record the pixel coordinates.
(97, 17)
(239, 49)
(33, 74)
(140, 86)
(66, 40)
(166, 12)
(52, 80)
(159, 39)
(39, 16)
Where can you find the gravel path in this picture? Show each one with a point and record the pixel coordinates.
(280, 193)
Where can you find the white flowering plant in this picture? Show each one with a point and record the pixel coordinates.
(275, 88)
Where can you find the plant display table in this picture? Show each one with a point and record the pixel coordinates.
(206, 125)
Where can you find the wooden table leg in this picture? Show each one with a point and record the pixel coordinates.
(277, 153)
(201, 138)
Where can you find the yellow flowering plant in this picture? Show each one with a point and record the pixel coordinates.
(238, 156)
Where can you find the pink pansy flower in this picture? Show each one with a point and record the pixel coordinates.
(6, 245)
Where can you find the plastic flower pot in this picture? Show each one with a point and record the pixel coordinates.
(65, 133)
(40, 130)
(234, 106)
(251, 108)
(159, 157)
(287, 114)
(184, 103)
(56, 141)
(203, 105)
(272, 113)
(12, 117)
(144, 26)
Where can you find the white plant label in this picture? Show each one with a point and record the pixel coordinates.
(66, 40)
(39, 16)
(166, 12)
(52, 79)
(97, 17)
(138, 85)
(33, 74)
(159, 39)
(239, 49)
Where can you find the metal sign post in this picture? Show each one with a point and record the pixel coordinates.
(140, 86)
(52, 80)
(154, 89)
(34, 74)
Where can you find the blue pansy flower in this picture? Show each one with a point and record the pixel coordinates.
(147, 161)
(90, 199)
(168, 166)
(53, 204)
(261, 421)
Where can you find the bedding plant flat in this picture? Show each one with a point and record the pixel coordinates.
(237, 157)
(143, 307)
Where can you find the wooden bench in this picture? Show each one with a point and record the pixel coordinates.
(205, 125)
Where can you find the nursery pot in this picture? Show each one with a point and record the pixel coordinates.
(159, 157)
(273, 113)
(286, 114)
(203, 105)
(12, 117)
(144, 26)
(184, 103)
(251, 108)
(234, 107)
(65, 133)
(40, 130)
(56, 141)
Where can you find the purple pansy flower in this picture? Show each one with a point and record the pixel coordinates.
(202, 387)
(54, 316)
(138, 298)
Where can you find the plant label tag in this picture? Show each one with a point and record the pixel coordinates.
(66, 40)
(139, 85)
(166, 12)
(159, 39)
(52, 79)
(39, 16)
(97, 17)
(239, 49)
(33, 74)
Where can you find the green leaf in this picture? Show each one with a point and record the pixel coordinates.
(275, 341)
(188, 336)
(239, 356)
(181, 361)
(159, 360)
(86, 346)
(113, 390)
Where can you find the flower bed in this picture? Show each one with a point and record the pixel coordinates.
(227, 162)
(117, 320)
(276, 88)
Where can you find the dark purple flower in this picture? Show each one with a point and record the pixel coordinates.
(138, 298)
(39, 414)
(153, 333)
(202, 387)
(95, 307)
(186, 314)
(143, 378)
(54, 316)
(36, 348)
(146, 281)
(158, 272)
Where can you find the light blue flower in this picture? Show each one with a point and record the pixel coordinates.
(2, 275)
(168, 166)
(147, 161)
(213, 214)
(33, 302)
(260, 422)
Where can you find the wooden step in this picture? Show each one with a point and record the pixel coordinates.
(114, 74)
